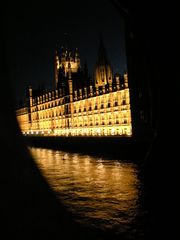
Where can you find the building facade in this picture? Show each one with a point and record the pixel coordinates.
(79, 105)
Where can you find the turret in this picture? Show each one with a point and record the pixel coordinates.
(70, 58)
(103, 89)
(85, 92)
(117, 82)
(103, 69)
(80, 93)
(30, 97)
(63, 55)
(125, 80)
(56, 70)
(75, 95)
(77, 58)
(97, 90)
(30, 103)
(110, 84)
(91, 90)
(70, 84)
(56, 93)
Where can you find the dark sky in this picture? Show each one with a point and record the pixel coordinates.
(34, 32)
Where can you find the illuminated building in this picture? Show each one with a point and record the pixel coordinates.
(79, 105)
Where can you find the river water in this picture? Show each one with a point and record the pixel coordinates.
(104, 194)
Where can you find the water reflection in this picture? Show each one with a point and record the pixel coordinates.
(101, 193)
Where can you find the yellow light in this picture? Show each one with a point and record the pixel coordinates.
(96, 120)
(112, 131)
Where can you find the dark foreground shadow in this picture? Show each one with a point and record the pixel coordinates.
(29, 209)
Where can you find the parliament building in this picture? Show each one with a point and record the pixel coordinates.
(79, 105)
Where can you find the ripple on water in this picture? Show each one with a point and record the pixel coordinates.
(101, 193)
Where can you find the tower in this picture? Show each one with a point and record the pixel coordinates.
(77, 57)
(103, 71)
(68, 58)
(63, 55)
(70, 85)
(30, 103)
(56, 70)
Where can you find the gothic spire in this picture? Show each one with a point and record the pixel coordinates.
(102, 55)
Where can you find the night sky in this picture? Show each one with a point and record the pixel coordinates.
(34, 32)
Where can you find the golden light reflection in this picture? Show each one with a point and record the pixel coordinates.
(99, 192)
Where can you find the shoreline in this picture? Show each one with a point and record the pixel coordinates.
(124, 148)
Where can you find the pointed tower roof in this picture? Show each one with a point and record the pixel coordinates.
(102, 55)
